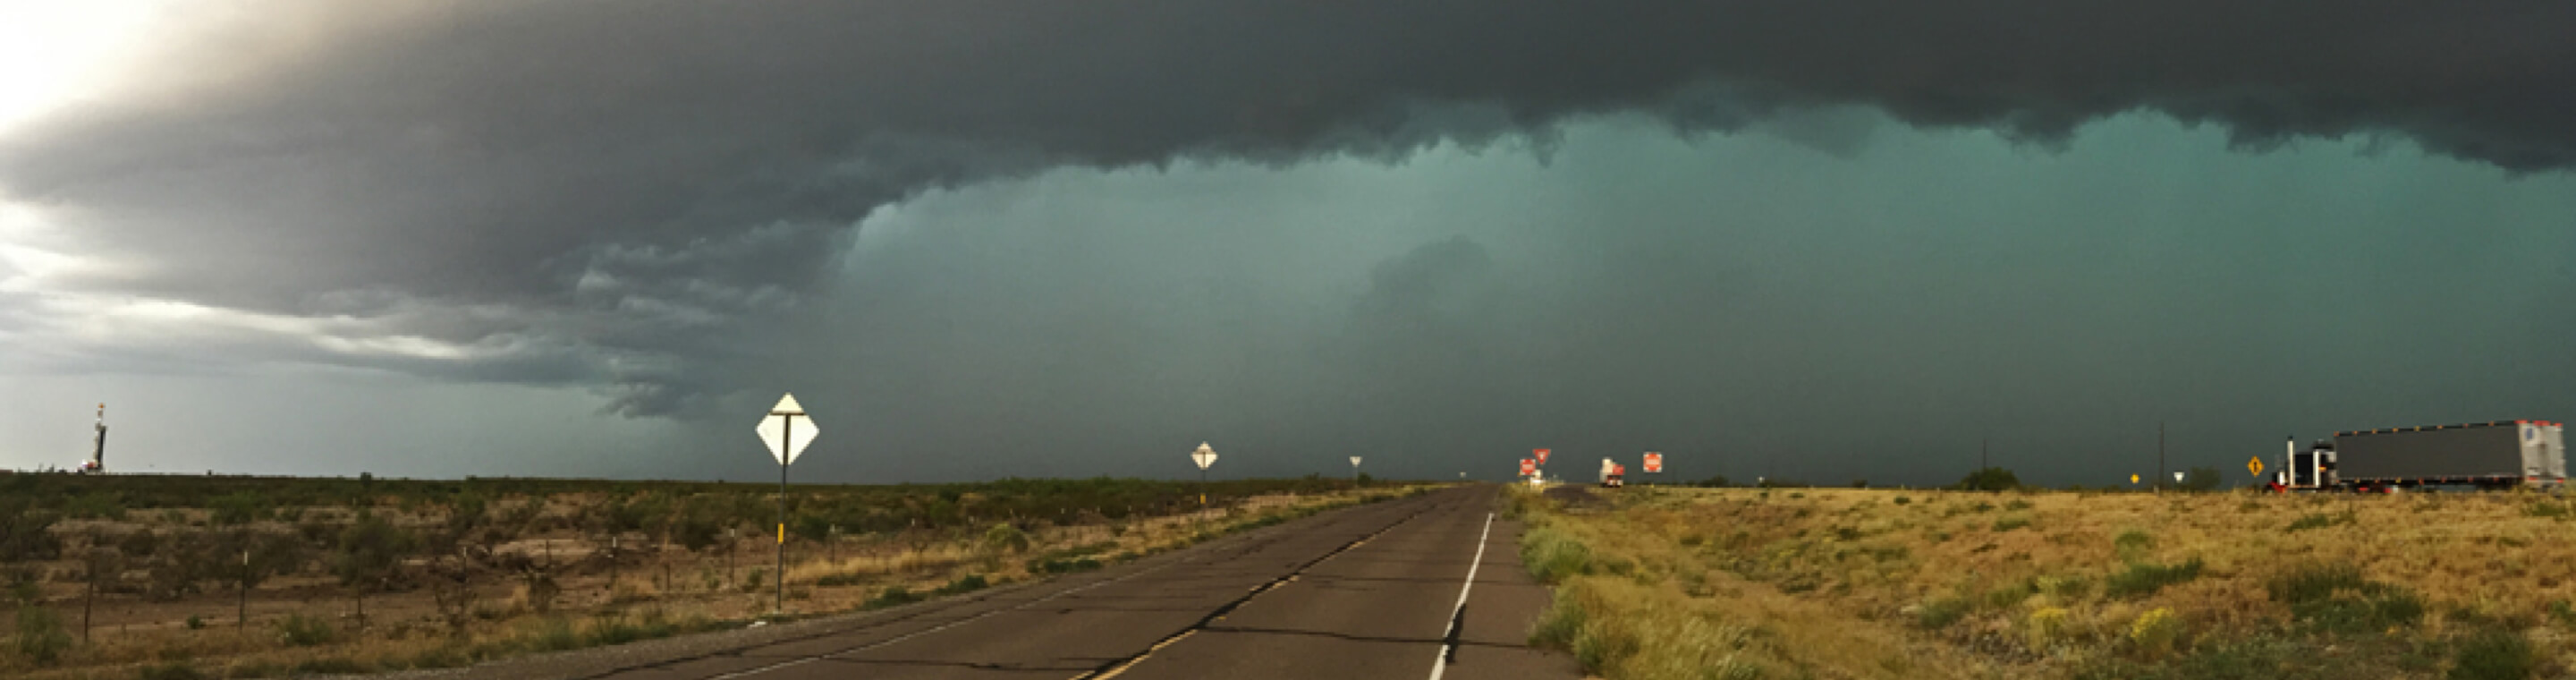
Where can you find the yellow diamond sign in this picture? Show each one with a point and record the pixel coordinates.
(2254, 465)
(2133, 479)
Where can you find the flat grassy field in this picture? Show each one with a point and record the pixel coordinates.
(188, 577)
(1655, 583)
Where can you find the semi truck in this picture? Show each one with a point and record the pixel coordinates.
(1611, 473)
(2502, 454)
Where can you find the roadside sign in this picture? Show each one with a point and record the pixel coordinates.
(2177, 478)
(785, 440)
(1529, 467)
(2133, 478)
(1654, 462)
(1204, 456)
(1541, 455)
(1355, 461)
(2254, 466)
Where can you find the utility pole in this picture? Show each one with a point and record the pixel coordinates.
(2160, 456)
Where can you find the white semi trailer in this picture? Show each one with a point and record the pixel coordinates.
(2502, 454)
(1611, 473)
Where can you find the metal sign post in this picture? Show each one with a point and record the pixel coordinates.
(785, 441)
(1204, 457)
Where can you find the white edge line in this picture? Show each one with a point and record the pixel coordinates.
(1440, 662)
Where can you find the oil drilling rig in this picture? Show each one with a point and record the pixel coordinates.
(97, 463)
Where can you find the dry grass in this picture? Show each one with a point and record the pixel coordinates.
(2089, 585)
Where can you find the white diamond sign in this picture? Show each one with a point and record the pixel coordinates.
(1355, 461)
(787, 430)
(1204, 456)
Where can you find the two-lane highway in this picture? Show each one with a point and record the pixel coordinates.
(1375, 591)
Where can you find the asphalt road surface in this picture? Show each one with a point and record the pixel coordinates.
(1374, 591)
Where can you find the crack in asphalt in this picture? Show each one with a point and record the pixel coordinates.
(1355, 638)
(1114, 668)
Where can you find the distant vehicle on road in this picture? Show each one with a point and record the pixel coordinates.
(1611, 474)
(2502, 454)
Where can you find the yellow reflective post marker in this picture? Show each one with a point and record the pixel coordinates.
(782, 533)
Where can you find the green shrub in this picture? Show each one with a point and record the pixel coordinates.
(2333, 597)
(196, 622)
(607, 631)
(2064, 588)
(964, 584)
(2143, 578)
(1064, 566)
(40, 636)
(1939, 613)
(370, 551)
(1903, 500)
(893, 595)
(1004, 539)
(2009, 595)
(25, 533)
(2011, 522)
(2562, 612)
(1553, 556)
(305, 631)
(1557, 627)
(2133, 544)
(240, 507)
(1989, 479)
(553, 634)
(2494, 655)
(2313, 582)
(2315, 521)
(2017, 504)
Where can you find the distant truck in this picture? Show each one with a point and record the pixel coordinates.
(2503, 454)
(1611, 473)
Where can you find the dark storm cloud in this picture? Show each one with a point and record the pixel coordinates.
(622, 180)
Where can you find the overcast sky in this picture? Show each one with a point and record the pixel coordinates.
(1827, 241)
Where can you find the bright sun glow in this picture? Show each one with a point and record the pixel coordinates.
(54, 52)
